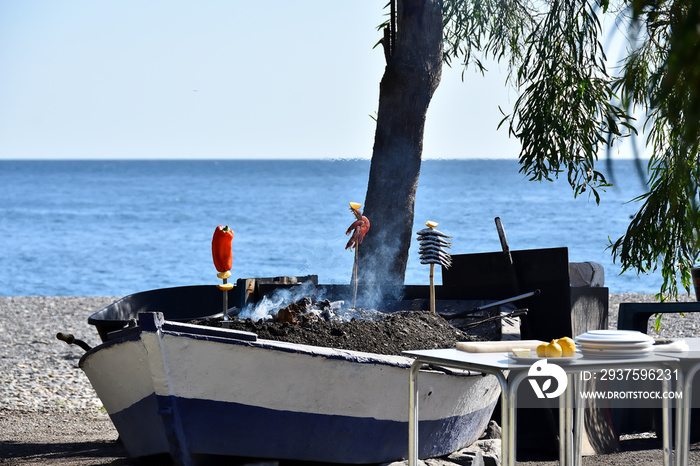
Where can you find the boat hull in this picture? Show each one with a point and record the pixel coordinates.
(193, 395)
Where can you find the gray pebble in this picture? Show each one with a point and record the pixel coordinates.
(40, 373)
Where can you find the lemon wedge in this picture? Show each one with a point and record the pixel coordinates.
(355, 205)
(552, 350)
(568, 347)
(523, 353)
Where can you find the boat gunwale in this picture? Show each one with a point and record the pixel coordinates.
(215, 334)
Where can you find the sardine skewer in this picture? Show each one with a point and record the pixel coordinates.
(431, 252)
(430, 232)
(447, 265)
(434, 242)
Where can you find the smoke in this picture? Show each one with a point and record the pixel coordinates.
(378, 281)
(268, 306)
(321, 308)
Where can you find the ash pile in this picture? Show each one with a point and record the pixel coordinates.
(304, 303)
(376, 332)
(307, 310)
(307, 305)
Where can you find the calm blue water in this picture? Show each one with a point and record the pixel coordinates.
(117, 227)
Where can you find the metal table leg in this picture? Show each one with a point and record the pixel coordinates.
(514, 381)
(507, 413)
(570, 446)
(413, 414)
(567, 447)
(562, 429)
(683, 405)
(580, 413)
(666, 424)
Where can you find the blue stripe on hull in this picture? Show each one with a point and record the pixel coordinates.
(233, 429)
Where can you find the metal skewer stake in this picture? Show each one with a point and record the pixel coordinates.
(225, 286)
(225, 310)
(432, 288)
(354, 276)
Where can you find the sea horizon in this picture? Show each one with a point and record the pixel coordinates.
(119, 226)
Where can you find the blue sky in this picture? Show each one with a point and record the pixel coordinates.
(217, 79)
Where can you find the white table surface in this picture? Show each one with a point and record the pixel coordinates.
(511, 373)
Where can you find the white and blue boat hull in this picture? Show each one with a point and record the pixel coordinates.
(193, 393)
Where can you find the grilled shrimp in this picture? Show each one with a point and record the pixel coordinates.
(359, 229)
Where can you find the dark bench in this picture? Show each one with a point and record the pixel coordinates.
(635, 316)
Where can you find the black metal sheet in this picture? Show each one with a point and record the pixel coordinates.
(487, 276)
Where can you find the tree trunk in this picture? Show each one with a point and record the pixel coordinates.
(412, 73)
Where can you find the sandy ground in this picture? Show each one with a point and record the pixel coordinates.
(38, 425)
(59, 437)
(86, 438)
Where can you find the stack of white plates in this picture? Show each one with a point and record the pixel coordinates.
(614, 344)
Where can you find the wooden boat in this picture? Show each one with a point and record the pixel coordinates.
(195, 393)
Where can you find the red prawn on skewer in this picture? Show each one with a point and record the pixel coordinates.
(359, 229)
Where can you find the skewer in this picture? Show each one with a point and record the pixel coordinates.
(355, 206)
(432, 226)
(431, 252)
(432, 288)
(358, 230)
(225, 286)
(354, 277)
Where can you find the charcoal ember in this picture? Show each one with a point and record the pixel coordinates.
(324, 305)
(304, 304)
(306, 310)
(291, 313)
(287, 316)
(307, 318)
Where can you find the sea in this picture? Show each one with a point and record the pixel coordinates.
(116, 227)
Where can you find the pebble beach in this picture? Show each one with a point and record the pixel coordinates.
(41, 379)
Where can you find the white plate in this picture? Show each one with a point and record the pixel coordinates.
(648, 349)
(613, 337)
(610, 356)
(613, 345)
(531, 360)
(610, 331)
(617, 354)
